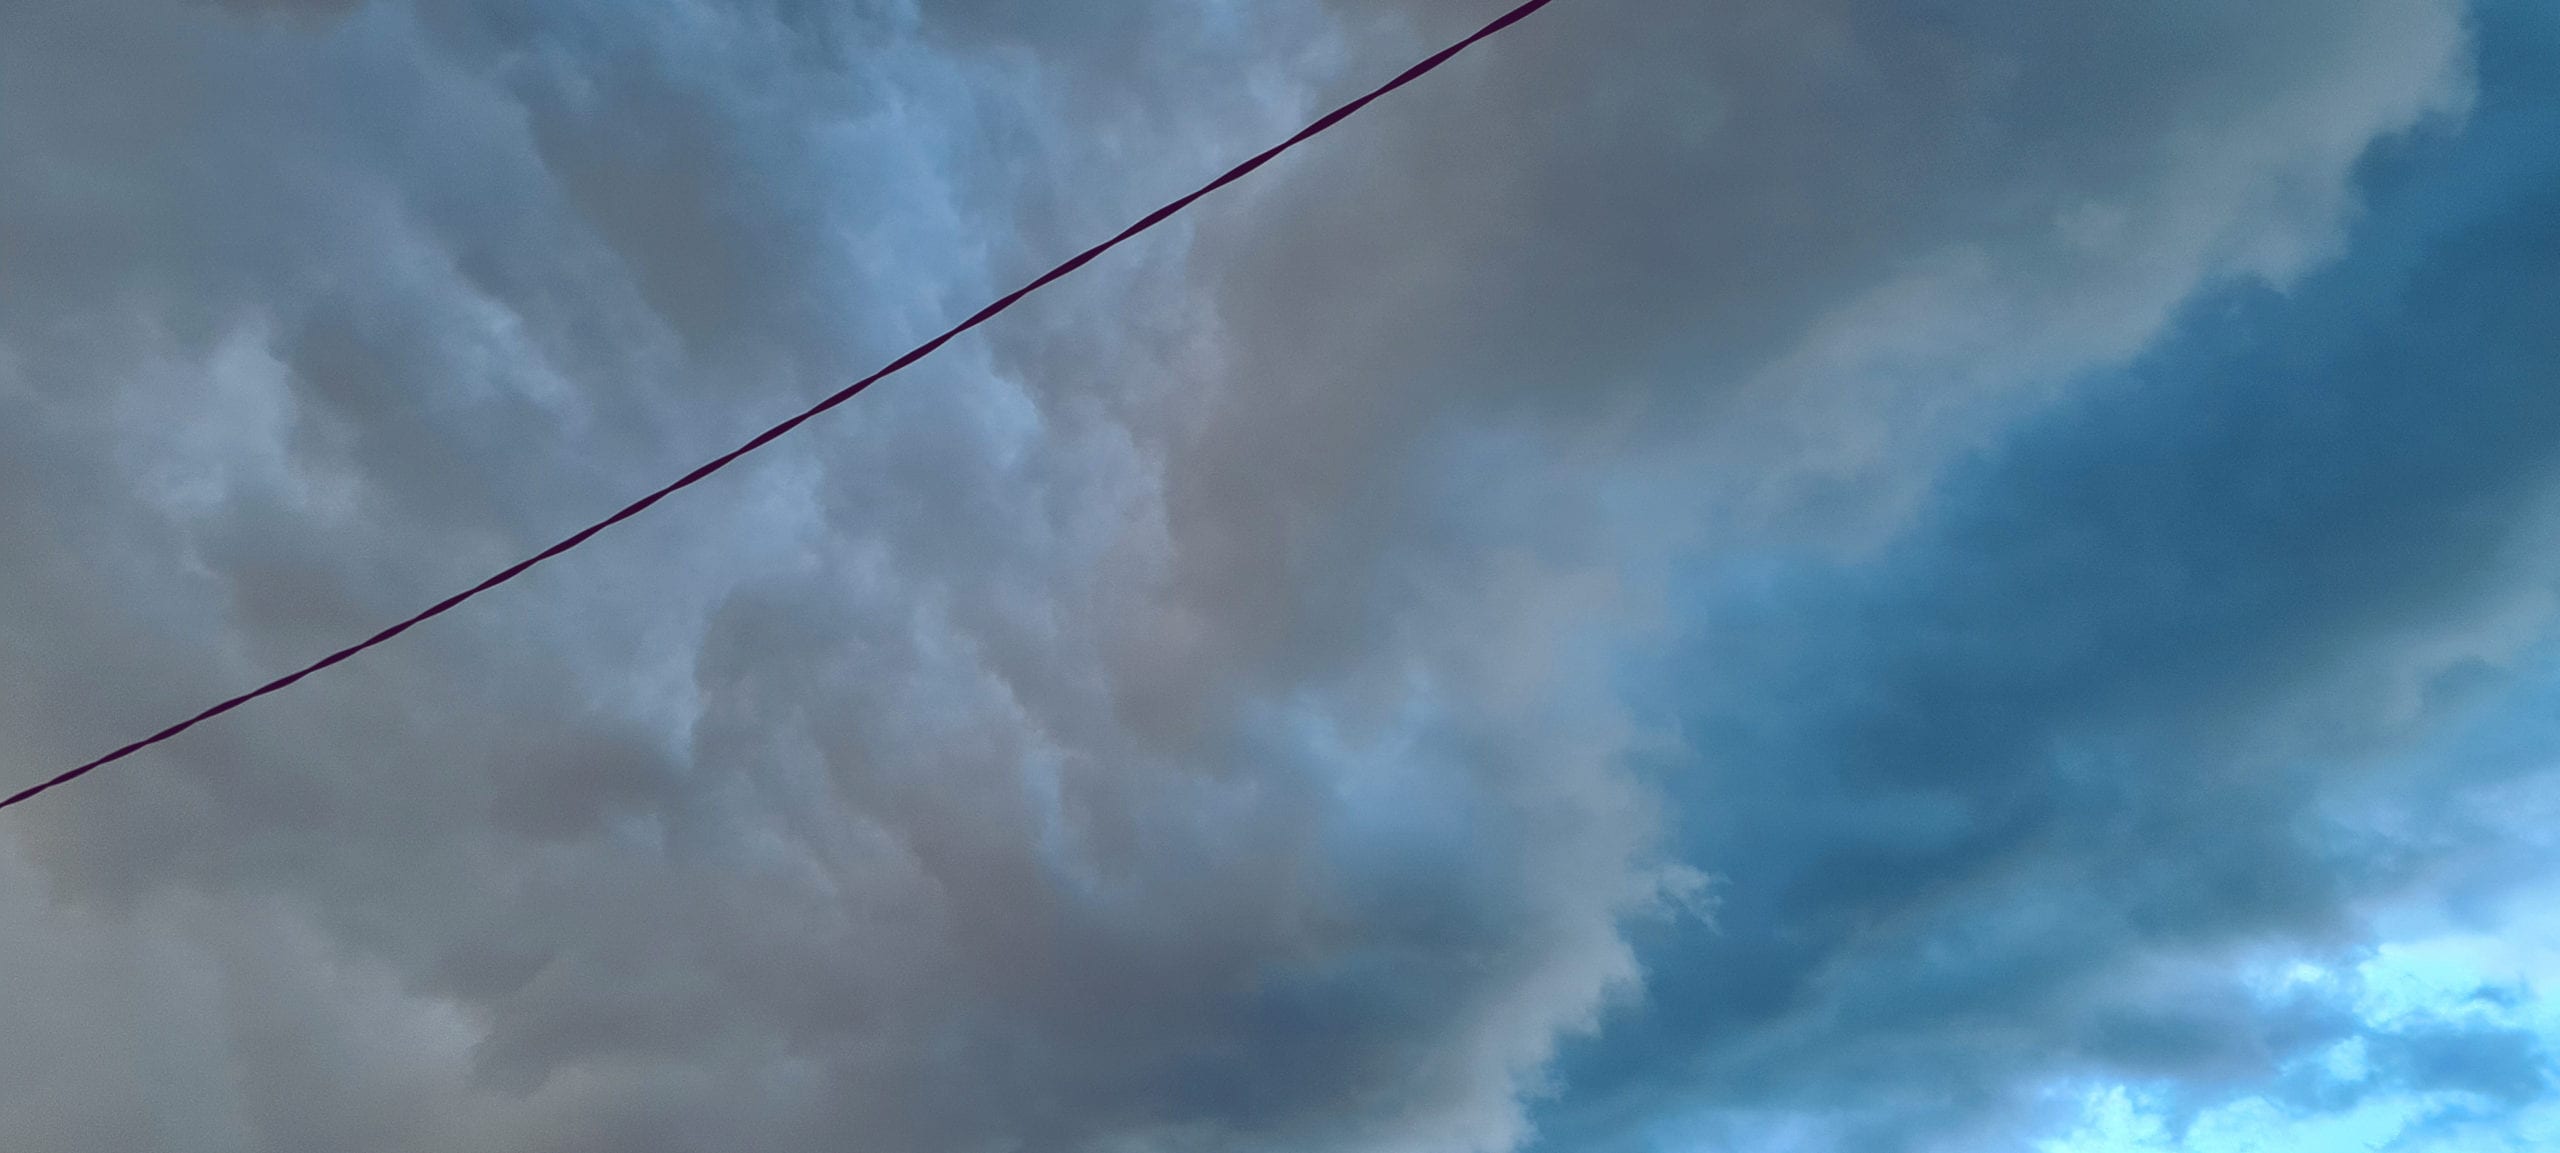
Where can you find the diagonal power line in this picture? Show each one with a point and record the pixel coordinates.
(770, 435)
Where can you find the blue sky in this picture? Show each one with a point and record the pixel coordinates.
(1768, 577)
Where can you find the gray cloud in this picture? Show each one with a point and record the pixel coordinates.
(1185, 718)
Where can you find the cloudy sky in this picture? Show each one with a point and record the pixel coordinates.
(1769, 576)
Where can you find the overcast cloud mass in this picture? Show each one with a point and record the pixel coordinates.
(1768, 576)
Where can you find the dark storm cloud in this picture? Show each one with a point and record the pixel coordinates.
(1989, 803)
(1802, 243)
(1186, 719)
(785, 856)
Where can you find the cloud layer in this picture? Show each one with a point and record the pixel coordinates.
(1772, 574)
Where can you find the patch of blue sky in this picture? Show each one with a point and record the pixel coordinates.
(2498, 978)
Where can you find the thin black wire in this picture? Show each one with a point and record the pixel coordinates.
(769, 435)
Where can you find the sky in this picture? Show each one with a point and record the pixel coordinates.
(1756, 576)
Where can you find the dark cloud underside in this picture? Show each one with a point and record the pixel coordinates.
(2002, 491)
